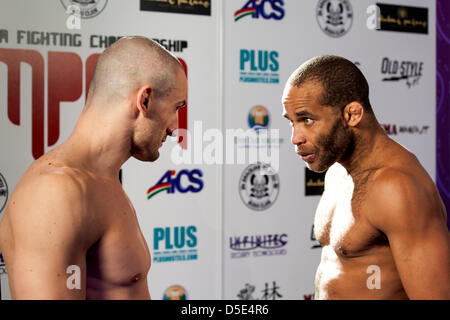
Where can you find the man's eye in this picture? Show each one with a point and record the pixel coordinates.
(308, 121)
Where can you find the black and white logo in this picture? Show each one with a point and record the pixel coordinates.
(85, 8)
(259, 186)
(3, 192)
(335, 17)
(408, 71)
(270, 292)
(2, 265)
(258, 245)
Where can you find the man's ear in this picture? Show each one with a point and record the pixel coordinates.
(143, 98)
(353, 113)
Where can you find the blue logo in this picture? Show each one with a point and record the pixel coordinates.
(258, 245)
(258, 118)
(172, 244)
(266, 9)
(260, 66)
(171, 182)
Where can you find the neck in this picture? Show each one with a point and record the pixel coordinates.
(100, 142)
(368, 144)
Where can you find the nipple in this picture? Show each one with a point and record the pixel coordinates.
(136, 278)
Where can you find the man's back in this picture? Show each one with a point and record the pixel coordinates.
(62, 215)
(364, 227)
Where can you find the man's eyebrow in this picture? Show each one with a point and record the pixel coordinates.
(286, 116)
(303, 114)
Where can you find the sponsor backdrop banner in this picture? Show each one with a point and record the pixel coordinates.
(45, 65)
(269, 248)
(227, 213)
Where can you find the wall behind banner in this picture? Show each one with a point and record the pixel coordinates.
(246, 236)
(443, 102)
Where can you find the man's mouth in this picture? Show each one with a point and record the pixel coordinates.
(307, 157)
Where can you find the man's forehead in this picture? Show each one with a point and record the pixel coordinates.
(180, 81)
(298, 96)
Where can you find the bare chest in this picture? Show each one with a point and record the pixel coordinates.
(340, 221)
(121, 256)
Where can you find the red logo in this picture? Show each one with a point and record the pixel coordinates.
(64, 84)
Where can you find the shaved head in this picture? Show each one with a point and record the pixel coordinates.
(341, 80)
(129, 64)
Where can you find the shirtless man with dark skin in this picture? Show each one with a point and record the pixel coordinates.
(69, 208)
(380, 221)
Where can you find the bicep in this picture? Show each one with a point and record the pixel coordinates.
(422, 258)
(47, 275)
(418, 237)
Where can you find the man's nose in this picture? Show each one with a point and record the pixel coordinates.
(297, 136)
(173, 126)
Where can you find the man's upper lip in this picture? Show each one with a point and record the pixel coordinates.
(304, 154)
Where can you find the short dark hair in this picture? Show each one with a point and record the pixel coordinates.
(342, 81)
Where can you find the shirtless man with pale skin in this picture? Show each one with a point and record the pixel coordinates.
(380, 215)
(69, 208)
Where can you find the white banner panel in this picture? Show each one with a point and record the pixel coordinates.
(215, 226)
(269, 250)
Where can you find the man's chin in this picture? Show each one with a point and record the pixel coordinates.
(316, 167)
(147, 157)
(153, 157)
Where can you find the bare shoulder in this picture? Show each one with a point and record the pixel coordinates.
(401, 196)
(49, 204)
(47, 228)
(43, 185)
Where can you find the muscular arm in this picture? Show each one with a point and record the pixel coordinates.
(46, 223)
(411, 216)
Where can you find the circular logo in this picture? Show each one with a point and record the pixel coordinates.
(3, 192)
(258, 118)
(84, 8)
(175, 292)
(335, 17)
(259, 186)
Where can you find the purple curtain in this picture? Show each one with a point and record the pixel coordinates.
(443, 102)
